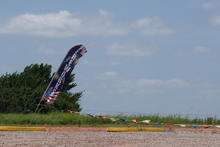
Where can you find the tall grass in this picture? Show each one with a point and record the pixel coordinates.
(58, 118)
(176, 119)
(50, 119)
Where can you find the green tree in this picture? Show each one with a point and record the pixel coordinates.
(21, 92)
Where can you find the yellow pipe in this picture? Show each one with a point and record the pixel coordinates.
(18, 128)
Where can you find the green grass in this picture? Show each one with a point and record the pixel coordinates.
(50, 119)
(61, 119)
(177, 119)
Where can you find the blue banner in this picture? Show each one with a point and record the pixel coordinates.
(65, 69)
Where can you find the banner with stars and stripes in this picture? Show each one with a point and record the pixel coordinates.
(65, 69)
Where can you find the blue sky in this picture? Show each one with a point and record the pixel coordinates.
(145, 56)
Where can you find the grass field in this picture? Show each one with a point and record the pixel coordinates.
(58, 118)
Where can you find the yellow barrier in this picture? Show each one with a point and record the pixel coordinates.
(136, 129)
(123, 129)
(18, 128)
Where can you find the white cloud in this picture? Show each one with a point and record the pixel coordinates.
(200, 49)
(111, 74)
(215, 20)
(85, 62)
(142, 85)
(173, 83)
(151, 26)
(48, 51)
(208, 5)
(103, 12)
(61, 24)
(130, 50)
(66, 24)
(108, 75)
(52, 24)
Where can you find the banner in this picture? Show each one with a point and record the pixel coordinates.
(65, 69)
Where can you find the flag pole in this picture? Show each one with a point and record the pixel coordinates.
(45, 92)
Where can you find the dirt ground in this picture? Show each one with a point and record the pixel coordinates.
(98, 137)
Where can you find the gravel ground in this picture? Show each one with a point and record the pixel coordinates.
(108, 139)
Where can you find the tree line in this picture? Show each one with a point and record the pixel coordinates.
(21, 92)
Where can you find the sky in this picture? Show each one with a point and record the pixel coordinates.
(144, 57)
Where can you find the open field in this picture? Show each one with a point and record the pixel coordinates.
(67, 130)
(98, 137)
(58, 118)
